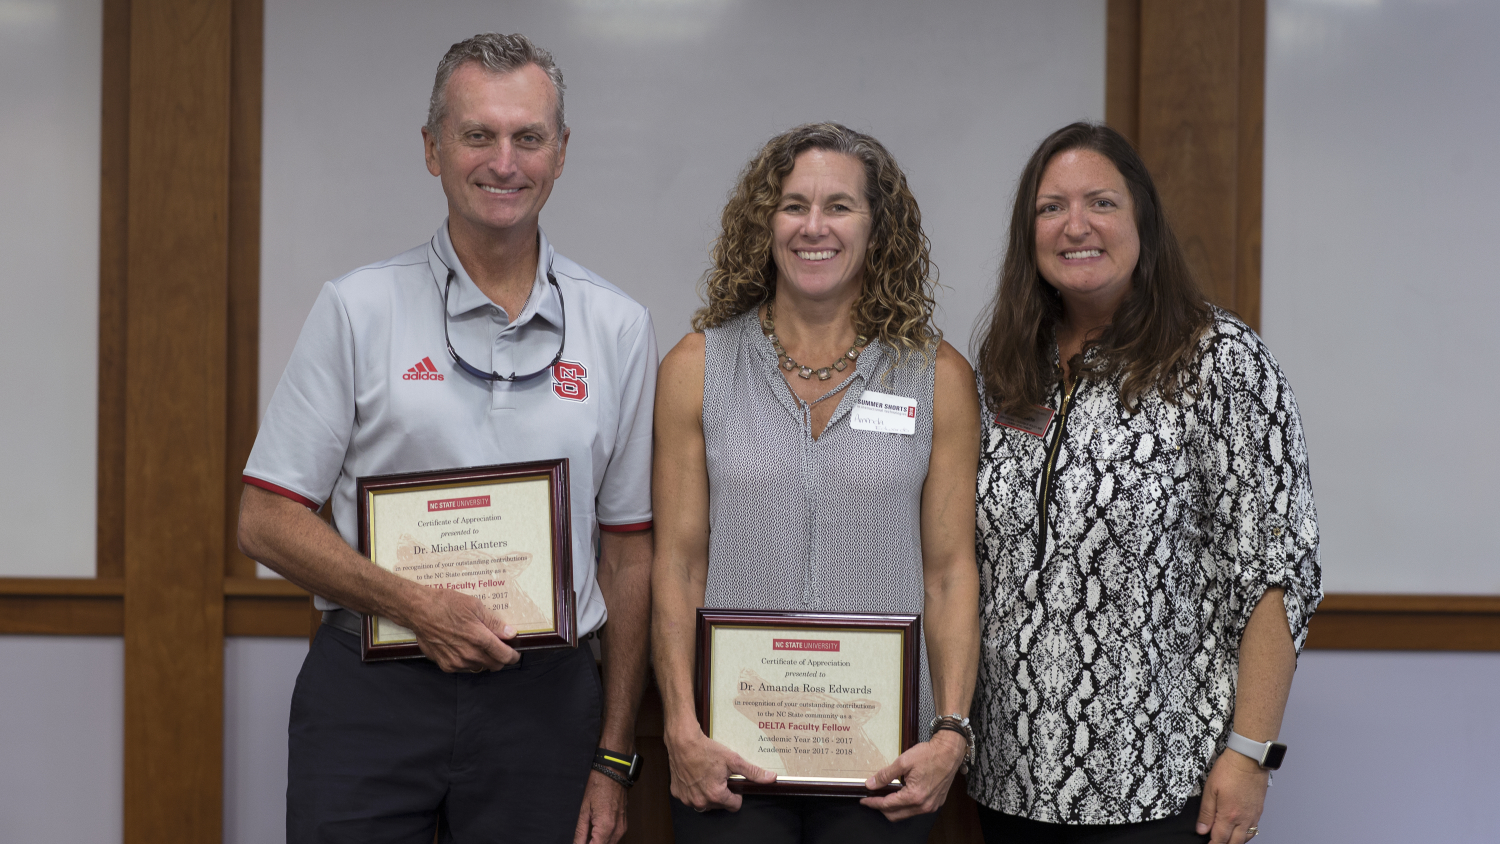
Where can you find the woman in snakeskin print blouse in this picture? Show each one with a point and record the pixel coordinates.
(1147, 545)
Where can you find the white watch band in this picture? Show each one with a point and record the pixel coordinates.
(1256, 750)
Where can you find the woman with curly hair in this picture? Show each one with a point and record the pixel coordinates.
(1147, 543)
(770, 494)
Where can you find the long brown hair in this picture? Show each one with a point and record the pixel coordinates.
(895, 303)
(1154, 331)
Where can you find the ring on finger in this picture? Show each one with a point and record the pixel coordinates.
(1254, 831)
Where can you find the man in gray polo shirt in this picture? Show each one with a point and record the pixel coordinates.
(381, 751)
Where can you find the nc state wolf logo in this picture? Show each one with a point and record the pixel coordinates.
(569, 381)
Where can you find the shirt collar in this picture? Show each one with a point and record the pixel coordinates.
(466, 295)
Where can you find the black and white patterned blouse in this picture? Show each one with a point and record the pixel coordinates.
(1110, 646)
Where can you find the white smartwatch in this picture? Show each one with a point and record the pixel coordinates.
(1267, 754)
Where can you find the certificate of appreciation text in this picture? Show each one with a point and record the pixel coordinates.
(492, 532)
(823, 705)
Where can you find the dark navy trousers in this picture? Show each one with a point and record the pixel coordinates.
(380, 752)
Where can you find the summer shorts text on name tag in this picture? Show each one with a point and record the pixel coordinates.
(884, 413)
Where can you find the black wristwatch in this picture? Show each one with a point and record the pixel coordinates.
(623, 768)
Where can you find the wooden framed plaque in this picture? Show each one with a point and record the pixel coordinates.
(500, 533)
(822, 699)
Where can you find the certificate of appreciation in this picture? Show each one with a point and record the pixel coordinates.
(499, 533)
(824, 700)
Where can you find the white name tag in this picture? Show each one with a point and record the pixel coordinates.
(884, 413)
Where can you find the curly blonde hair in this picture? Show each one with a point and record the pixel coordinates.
(896, 302)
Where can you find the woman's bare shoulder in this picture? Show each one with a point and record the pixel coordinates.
(687, 354)
(950, 359)
(953, 371)
(953, 389)
(681, 372)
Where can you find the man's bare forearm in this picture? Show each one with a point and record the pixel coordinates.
(292, 541)
(453, 629)
(625, 581)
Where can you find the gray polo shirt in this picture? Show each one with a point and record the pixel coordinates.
(370, 390)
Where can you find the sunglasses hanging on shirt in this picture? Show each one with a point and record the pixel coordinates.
(495, 376)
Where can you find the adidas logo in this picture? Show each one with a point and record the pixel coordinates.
(423, 371)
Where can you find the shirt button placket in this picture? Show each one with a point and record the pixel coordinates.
(501, 352)
(809, 493)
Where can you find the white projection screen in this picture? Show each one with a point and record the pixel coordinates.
(1378, 296)
(1375, 116)
(667, 99)
(49, 284)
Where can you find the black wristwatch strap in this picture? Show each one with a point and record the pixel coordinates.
(623, 768)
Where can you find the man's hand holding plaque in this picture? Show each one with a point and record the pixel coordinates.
(492, 543)
(459, 633)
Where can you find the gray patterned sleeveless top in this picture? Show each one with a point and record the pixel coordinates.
(832, 524)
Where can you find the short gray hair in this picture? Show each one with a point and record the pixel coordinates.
(497, 53)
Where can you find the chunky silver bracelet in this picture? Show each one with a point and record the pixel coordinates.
(958, 724)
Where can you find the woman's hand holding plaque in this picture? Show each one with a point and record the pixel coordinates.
(822, 700)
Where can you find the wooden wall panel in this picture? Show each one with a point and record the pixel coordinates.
(114, 171)
(1188, 130)
(277, 608)
(243, 365)
(246, 615)
(62, 606)
(265, 607)
(1186, 85)
(1122, 67)
(175, 400)
(1407, 623)
(62, 615)
(1244, 298)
